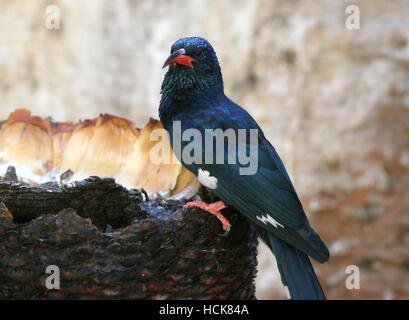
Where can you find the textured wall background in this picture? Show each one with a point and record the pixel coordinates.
(334, 102)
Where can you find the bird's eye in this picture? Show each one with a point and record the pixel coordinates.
(196, 54)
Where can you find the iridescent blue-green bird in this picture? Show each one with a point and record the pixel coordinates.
(193, 96)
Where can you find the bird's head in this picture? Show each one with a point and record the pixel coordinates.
(193, 67)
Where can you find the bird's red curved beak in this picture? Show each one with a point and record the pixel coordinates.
(179, 57)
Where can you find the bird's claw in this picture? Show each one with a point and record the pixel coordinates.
(225, 233)
(213, 208)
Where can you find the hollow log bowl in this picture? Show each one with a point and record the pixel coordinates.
(113, 243)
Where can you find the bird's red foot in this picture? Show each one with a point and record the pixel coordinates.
(213, 208)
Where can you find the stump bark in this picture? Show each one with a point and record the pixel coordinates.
(113, 243)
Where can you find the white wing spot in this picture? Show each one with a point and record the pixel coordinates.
(269, 219)
(206, 179)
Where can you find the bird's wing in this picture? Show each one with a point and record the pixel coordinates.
(269, 200)
(267, 197)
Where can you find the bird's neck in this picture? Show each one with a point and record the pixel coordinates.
(179, 101)
(186, 84)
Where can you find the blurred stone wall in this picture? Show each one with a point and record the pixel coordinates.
(334, 102)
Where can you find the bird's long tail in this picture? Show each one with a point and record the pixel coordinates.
(297, 273)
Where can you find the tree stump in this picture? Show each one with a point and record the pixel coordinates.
(113, 243)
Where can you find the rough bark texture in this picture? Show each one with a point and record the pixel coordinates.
(148, 249)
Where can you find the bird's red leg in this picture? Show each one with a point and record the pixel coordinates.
(213, 208)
